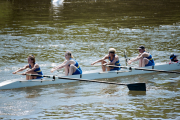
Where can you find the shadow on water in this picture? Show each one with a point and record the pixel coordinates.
(136, 93)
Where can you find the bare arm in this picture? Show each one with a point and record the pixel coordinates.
(140, 56)
(65, 63)
(137, 58)
(58, 67)
(31, 70)
(21, 69)
(100, 60)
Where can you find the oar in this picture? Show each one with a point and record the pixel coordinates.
(134, 68)
(132, 86)
(131, 68)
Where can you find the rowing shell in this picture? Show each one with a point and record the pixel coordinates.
(17, 83)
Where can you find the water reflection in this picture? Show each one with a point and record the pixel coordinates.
(136, 93)
(88, 28)
(57, 3)
(56, 7)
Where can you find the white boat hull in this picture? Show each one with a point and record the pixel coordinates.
(17, 83)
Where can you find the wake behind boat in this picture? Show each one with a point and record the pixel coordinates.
(20, 83)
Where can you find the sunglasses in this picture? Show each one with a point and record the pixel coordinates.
(111, 52)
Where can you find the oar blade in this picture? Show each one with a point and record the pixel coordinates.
(137, 86)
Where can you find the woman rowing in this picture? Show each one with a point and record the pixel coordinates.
(33, 69)
(113, 61)
(70, 65)
(145, 58)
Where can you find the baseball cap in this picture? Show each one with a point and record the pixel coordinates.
(141, 47)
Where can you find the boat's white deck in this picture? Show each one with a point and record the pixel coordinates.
(17, 83)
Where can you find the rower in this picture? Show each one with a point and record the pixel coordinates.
(145, 58)
(34, 69)
(70, 65)
(174, 58)
(113, 60)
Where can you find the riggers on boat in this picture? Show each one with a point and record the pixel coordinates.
(19, 83)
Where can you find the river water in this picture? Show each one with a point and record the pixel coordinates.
(88, 28)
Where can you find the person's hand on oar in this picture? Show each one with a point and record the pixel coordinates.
(93, 63)
(52, 70)
(20, 73)
(24, 73)
(129, 62)
(105, 64)
(14, 72)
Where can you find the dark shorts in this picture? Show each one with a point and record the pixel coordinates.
(39, 77)
(115, 68)
(150, 63)
(78, 71)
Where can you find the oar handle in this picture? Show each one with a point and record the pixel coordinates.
(19, 73)
(126, 67)
(157, 70)
(118, 66)
(97, 65)
(68, 78)
(48, 76)
(134, 68)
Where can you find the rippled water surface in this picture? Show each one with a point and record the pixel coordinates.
(88, 28)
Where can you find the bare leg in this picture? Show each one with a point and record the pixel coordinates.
(72, 69)
(103, 67)
(28, 77)
(144, 62)
(109, 68)
(66, 70)
(140, 62)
